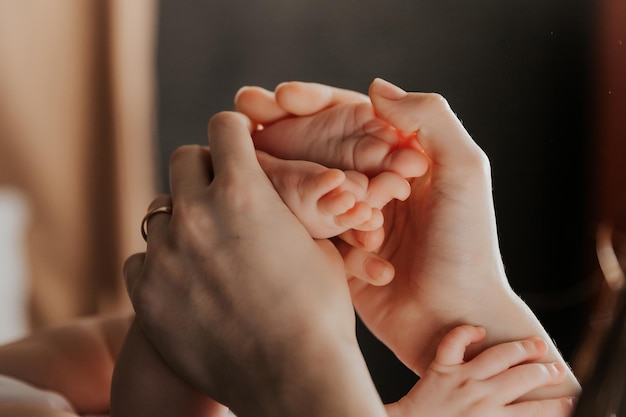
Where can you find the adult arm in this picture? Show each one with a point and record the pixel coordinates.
(441, 243)
(239, 299)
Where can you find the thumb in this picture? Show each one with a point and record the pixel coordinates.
(439, 131)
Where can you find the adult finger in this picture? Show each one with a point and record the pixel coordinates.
(132, 271)
(451, 350)
(501, 357)
(190, 171)
(156, 225)
(365, 266)
(259, 105)
(439, 131)
(303, 98)
(232, 149)
(520, 380)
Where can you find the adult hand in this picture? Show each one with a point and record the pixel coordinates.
(442, 242)
(238, 298)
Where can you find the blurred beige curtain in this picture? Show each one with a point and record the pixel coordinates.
(76, 128)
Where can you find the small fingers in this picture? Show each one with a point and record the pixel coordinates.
(451, 349)
(259, 105)
(407, 162)
(336, 203)
(303, 98)
(501, 357)
(385, 187)
(374, 223)
(366, 240)
(559, 407)
(359, 214)
(522, 379)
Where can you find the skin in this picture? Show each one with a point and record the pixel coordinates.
(252, 336)
(487, 385)
(75, 360)
(229, 223)
(249, 326)
(441, 243)
(327, 202)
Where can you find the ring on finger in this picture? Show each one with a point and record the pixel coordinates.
(148, 216)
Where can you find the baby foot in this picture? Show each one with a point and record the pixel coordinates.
(327, 201)
(338, 128)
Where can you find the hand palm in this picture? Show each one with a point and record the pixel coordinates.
(446, 227)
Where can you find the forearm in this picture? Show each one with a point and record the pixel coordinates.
(143, 385)
(505, 317)
(514, 320)
(320, 379)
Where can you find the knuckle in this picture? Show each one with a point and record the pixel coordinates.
(476, 167)
(437, 103)
(225, 118)
(478, 161)
(182, 151)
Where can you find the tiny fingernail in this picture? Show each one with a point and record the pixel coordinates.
(360, 237)
(539, 343)
(557, 367)
(387, 90)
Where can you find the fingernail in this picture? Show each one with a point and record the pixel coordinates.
(557, 368)
(379, 272)
(570, 402)
(387, 90)
(539, 344)
(361, 237)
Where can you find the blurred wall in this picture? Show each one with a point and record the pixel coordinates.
(76, 81)
(517, 73)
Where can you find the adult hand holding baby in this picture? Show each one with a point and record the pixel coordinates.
(441, 242)
(236, 295)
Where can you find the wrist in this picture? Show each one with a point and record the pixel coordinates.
(324, 376)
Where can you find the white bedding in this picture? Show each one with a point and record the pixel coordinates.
(14, 391)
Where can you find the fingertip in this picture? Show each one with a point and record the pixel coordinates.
(557, 368)
(242, 91)
(374, 222)
(568, 404)
(369, 240)
(258, 104)
(540, 345)
(379, 271)
(336, 203)
(481, 332)
(302, 98)
(386, 90)
(408, 162)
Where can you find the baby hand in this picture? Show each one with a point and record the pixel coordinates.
(491, 384)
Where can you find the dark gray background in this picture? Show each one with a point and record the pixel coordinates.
(518, 74)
